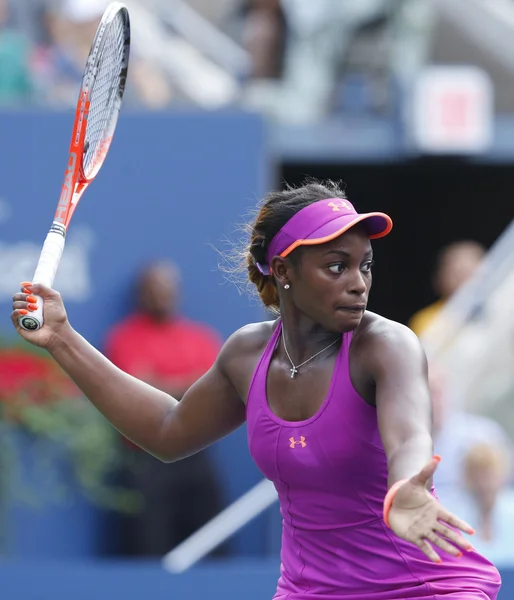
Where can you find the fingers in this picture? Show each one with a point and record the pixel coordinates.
(426, 472)
(25, 301)
(443, 544)
(427, 549)
(453, 536)
(454, 521)
(28, 304)
(15, 316)
(38, 289)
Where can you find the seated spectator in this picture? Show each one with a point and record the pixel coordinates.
(486, 502)
(170, 352)
(455, 432)
(311, 42)
(59, 62)
(16, 88)
(455, 265)
(264, 37)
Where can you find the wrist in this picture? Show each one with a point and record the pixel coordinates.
(389, 498)
(61, 341)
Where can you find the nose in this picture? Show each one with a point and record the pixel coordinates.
(358, 284)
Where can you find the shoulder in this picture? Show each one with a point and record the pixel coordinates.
(381, 343)
(377, 330)
(249, 338)
(244, 344)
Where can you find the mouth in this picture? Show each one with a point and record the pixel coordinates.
(353, 308)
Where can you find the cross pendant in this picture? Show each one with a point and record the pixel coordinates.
(294, 371)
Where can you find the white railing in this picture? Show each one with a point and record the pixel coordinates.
(205, 36)
(196, 75)
(472, 340)
(489, 23)
(221, 527)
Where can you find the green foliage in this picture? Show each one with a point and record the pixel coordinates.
(69, 440)
(69, 435)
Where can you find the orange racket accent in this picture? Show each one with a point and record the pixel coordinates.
(74, 175)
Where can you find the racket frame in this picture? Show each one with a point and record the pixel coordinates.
(75, 180)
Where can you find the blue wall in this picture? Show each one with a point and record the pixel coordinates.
(173, 186)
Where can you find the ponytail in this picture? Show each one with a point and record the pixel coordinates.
(264, 284)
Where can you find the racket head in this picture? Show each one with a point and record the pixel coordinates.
(104, 82)
(98, 108)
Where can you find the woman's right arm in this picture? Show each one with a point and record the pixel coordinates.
(152, 419)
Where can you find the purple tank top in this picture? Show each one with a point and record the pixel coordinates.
(330, 472)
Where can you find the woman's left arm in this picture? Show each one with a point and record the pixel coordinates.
(404, 409)
(399, 368)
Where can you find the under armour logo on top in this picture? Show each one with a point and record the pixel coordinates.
(294, 442)
(336, 206)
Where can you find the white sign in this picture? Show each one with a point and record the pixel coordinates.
(452, 110)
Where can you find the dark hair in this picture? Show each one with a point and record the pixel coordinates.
(275, 210)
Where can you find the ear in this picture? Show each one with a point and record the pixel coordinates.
(281, 270)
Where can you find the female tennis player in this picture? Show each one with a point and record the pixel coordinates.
(336, 403)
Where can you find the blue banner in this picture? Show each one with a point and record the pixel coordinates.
(173, 186)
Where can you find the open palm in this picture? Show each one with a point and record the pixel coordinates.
(417, 517)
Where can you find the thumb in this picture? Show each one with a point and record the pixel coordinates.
(426, 472)
(40, 290)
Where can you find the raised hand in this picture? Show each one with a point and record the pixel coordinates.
(54, 314)
(417, 517)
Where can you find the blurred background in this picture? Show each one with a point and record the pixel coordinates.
(410, 102)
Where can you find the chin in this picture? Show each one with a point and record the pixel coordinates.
(346, 322)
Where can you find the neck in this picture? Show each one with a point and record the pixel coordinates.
(159, 318)
(304, 337)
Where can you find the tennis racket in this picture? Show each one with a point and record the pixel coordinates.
(98, 107)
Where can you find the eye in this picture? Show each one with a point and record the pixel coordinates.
(336, 268)
(366, 267)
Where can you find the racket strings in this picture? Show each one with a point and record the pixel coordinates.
(105, 96)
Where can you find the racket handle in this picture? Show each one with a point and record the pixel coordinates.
(45, 274)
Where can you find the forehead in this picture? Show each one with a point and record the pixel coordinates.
(162, 275)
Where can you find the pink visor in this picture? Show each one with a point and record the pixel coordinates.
(321, 222)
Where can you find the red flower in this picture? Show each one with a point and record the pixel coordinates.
(32, 378)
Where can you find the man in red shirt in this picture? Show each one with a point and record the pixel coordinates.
(170, 352)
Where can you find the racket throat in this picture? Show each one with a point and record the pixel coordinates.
(58, 228)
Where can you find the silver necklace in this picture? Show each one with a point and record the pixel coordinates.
(294, 368)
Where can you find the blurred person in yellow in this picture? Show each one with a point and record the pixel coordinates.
(456, 264)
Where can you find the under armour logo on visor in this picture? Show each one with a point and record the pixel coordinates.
(336, 206)
(294, 442)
